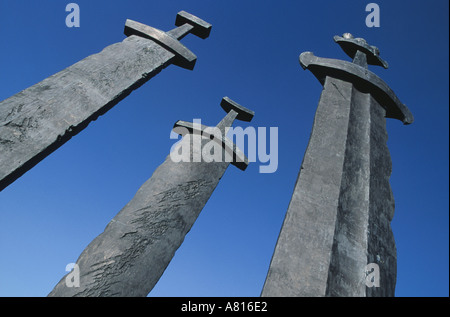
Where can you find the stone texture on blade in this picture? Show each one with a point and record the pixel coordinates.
(336, 239)
(366, 206)
(338, 220)
(301, 259)
(36, 121)
(381, 244)
(349, 254)
(130, 256)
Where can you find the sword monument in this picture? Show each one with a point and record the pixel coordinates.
(338, 219)
(130, 256)
(38, 120)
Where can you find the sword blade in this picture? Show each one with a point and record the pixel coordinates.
(38, 120)
(130, 256)
(338, 220)
(300, 262)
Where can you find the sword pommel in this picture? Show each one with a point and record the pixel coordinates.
(200, 28)
(351, 46)
(243, 113)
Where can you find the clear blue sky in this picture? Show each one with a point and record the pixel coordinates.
(48, 216)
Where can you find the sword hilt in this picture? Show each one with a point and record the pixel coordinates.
(187, 23)
(360, 51)
(234, 111)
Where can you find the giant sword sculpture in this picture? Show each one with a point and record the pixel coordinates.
(130, 256)
(38, 120)
(338, 219)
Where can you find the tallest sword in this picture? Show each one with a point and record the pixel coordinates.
(38, 120)
(337, 231)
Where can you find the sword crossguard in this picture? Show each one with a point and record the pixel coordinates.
(234, 111)
(358, 74)
(360, 51)
(187, 23)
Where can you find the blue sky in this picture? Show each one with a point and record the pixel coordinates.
(49, 215)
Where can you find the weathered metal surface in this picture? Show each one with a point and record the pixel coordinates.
(338, 220)
(41, 118)
(130, 256)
